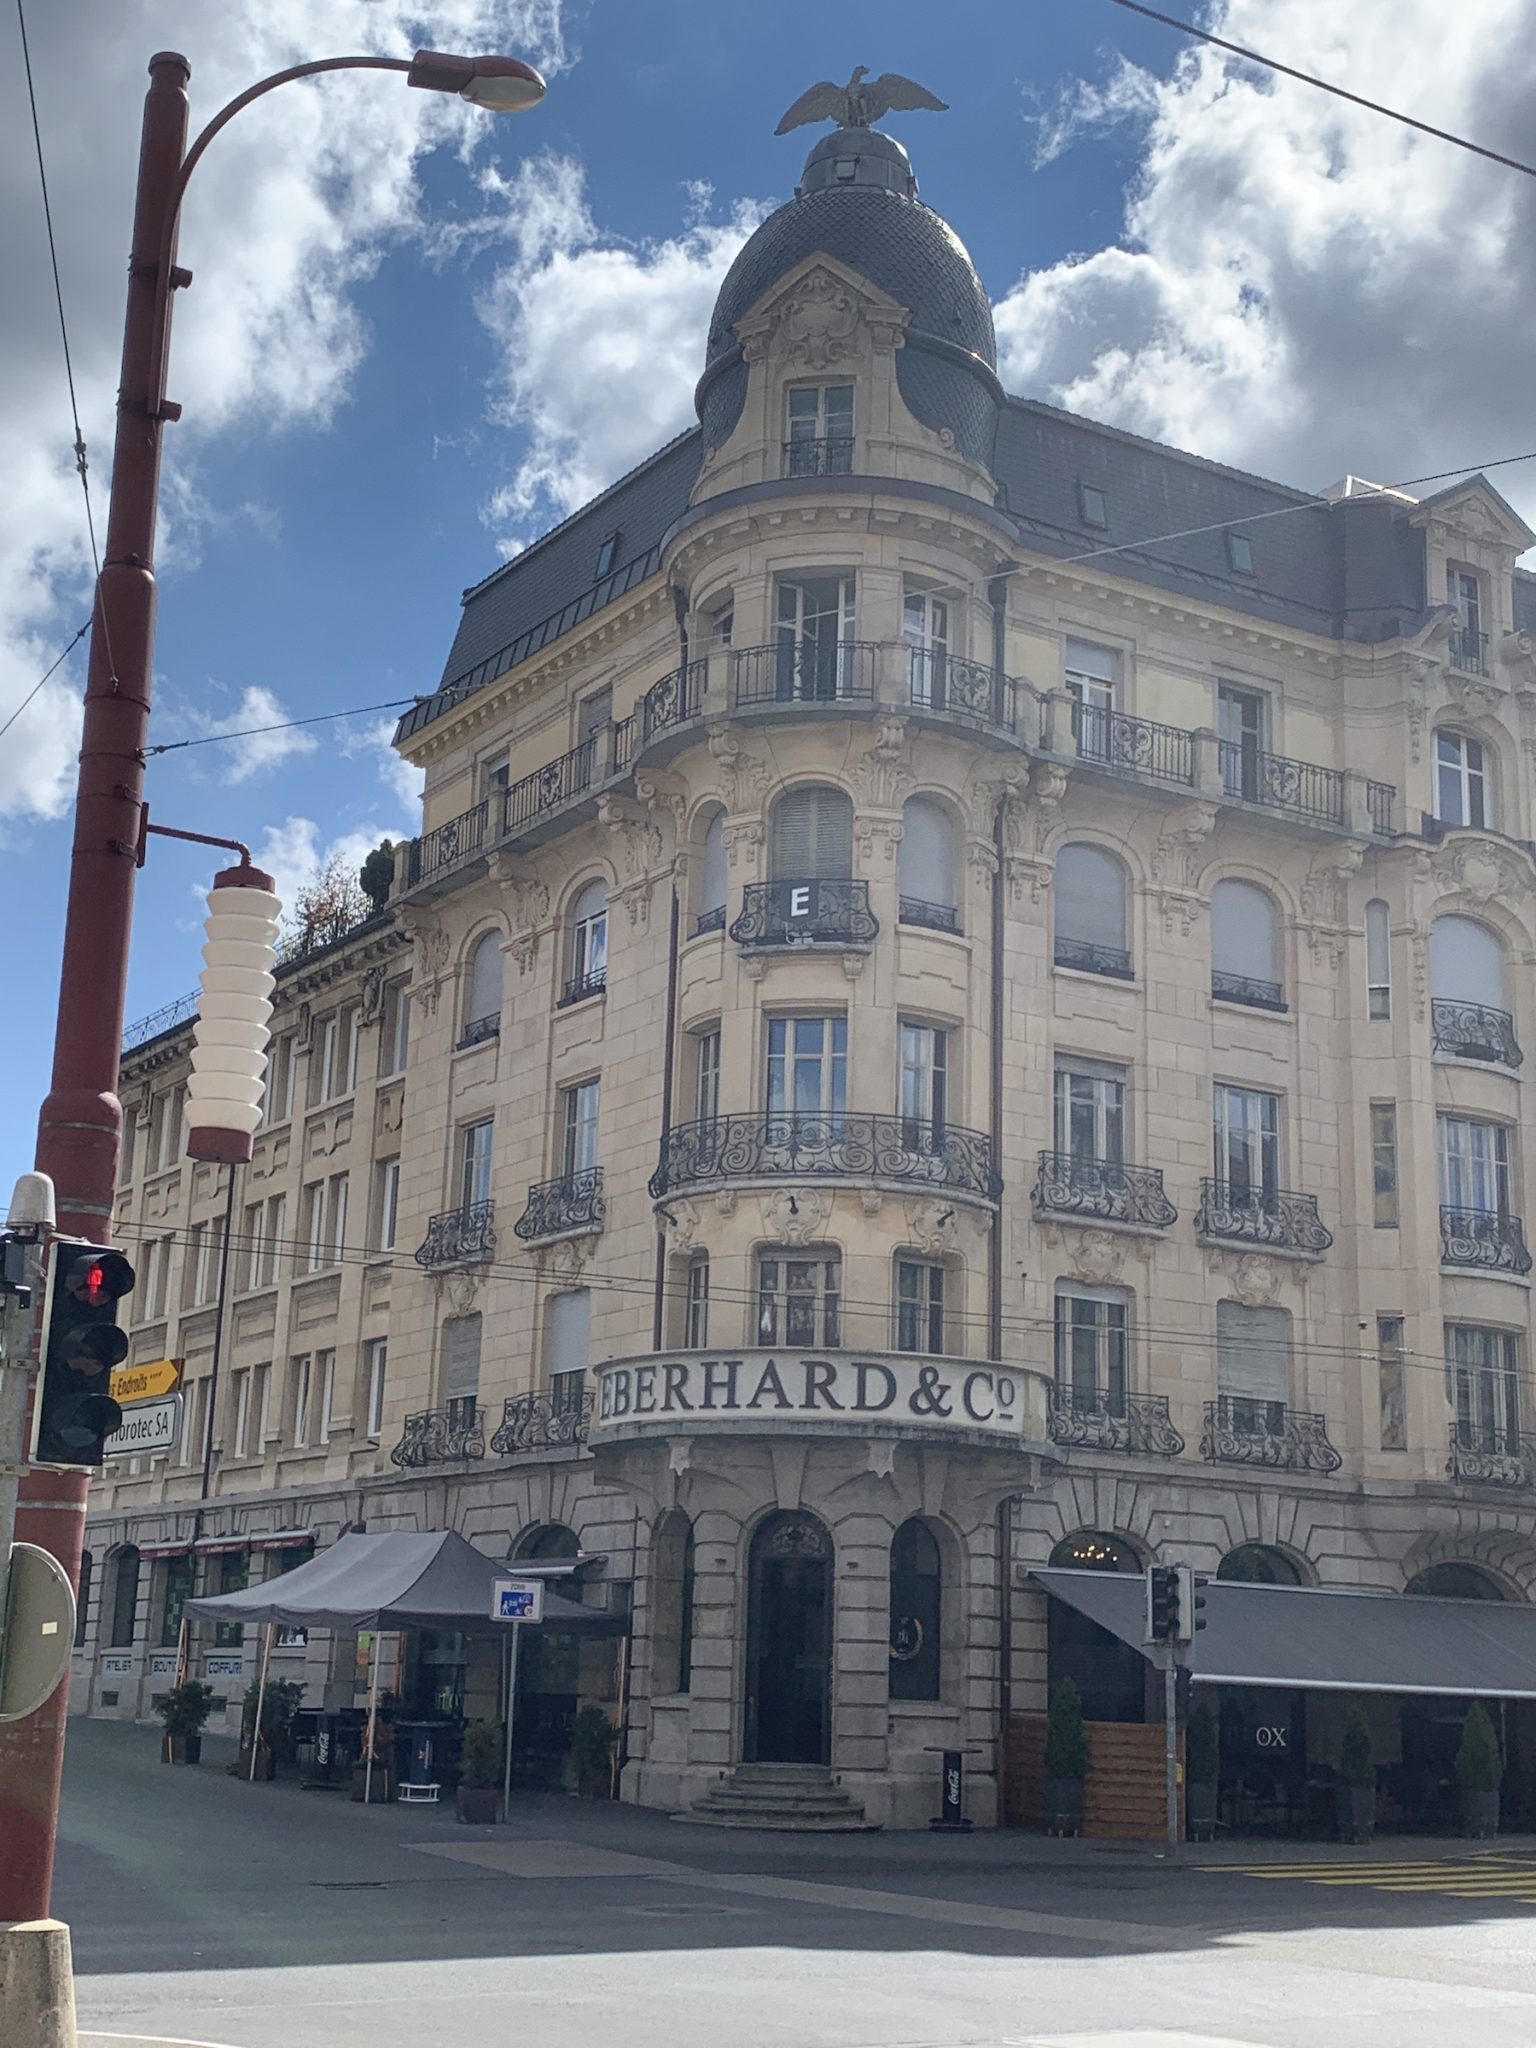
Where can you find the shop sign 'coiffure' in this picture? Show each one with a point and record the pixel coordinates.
(837, 1390)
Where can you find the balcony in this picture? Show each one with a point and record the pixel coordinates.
(1088, 958)
(550, 788)
(804, 914)
(947, 685)
(805, 672)
(1133, 746)
(1468, 651)
(1241, 1430)
(1274, 1218)
(459, 1237)
(542, 1422)
(841, 1145)
(581, 988)
(521, 809)
(677, 698)
(1299, 788)
(1379, 797)
(1491, 1240)
(1473, 1031)
(571, 1202)
(441, 1436)
(1503, 1457)
(447, 846)
(1103, 1191)
(709, 921)
(828, 455)
(1246, 988)
(933, 917)
(1099, 1419)
(479, 1031)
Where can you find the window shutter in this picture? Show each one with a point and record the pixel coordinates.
(925, 864)
(1466, 962)
(484, 999)
(1243, 935)
(461, 1358)
(1253, 1351)
(813, 835)
(570, 1319)
(1089, 888)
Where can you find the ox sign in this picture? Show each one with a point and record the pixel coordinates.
(839, 1392)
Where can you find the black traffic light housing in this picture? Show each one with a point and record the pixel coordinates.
(1162, 1603)
(74, 1412)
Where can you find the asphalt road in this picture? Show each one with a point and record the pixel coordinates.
(208, 1911)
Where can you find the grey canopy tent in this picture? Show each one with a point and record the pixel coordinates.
(391, 1581)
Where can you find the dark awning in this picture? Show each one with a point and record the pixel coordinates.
(1338, 1642)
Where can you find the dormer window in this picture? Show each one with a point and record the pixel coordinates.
(607, 552)
(1469, 643)
(1092, 506)
(1240, 554)
(818, 430)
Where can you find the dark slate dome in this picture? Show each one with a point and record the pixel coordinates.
(857, 202)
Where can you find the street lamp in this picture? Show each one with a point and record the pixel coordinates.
(80, 1123)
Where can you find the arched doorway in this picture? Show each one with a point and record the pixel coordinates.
(1110, 1676)
(1455, 1581)
(789, 1641)
(1258, 1564)
(550, 1543)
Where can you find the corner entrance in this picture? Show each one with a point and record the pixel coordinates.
(789, 1641)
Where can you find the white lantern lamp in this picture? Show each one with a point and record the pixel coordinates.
(229, 1042)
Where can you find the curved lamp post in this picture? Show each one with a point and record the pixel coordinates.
(80, 1124)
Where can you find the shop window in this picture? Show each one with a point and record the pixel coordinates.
(83, 1597)
(672, 1604)
(916, 1630)
(234, 1575)
(125, 1599)
(550, 1543)
(1454, 1581)
(1259, 1564)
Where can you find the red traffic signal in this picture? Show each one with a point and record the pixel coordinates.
(98, 1278)
(74, 1412)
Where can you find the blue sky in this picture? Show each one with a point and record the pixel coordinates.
(398, 360)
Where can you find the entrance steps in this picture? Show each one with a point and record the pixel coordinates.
(784, 1796)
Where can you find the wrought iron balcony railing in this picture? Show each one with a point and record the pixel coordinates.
(1379, 798)
(550, 788)
(478, 1030)
(1474, 1031)
(842, 1145)
(675, 699)
(808, 913)
(1274, 1217)
(1103, 1419)
(1300, 787)
(1091, 959)
(943, 682)
(935, 917)
(1246, 988)
(1241, 1430)
(805, 672)
(1106, 1190)
(441, 1436)
(580, 988)
(1468, 650)
(572, 1201)
(542, 1422)
(709, 921)
(1136, 746)
(459, 1237)
(446, 846)
(1496, 1457)
(824, 455)
(1491, 1239)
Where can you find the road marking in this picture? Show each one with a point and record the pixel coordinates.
(1466, 1877)
(91, 2034)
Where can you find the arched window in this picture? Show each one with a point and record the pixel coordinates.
(812, 836)
(1245, 946)
(83, 1597)
(1110, 1676)
(925, 865)
(125, 1599)
(710, 908)
(916, 1642)
(1091, 1550)
(1469, 1003)
(1258, 1564)
(1462, 781)
(1378, 960)
(482, 991)
(1090, 896)
(586, 959)
(1455, 1582)
(550, 1543)
(672, 1604)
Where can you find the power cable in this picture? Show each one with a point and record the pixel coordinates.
(1339, 92)
(47, 672)
(286, 725)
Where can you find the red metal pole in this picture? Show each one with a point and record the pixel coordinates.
(81, 1121)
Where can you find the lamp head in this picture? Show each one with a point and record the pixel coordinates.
(499, 85)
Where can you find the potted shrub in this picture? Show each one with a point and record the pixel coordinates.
(1355, 1795)
(1479, 1769)
(591, 1755)
(273, 1731)
(481, 1763)
(1202, 1767)
(184, 1710)
(1066, 1761)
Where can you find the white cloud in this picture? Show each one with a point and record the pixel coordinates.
(1303, 287)
(292, 852)
(292, 208)
(256, 750)
(600, 342)
(376, 740)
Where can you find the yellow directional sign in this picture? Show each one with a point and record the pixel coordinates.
(146, 1382)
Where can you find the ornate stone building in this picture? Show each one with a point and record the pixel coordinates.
(968, 994)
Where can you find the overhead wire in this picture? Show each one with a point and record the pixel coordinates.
(283, 725)
(57, 663)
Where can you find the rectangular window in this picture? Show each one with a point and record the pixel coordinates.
(337, 1065)
(1384, 1164)
(722, 626)
(568, 1335)
(233, 1572)
(813, 638)
(300, 1380)
(1240, 735)
(175, 1593)
(1091, 679)
(593, 713)
(1092, 505)
(578, 1128)
(607, 554)
(386, 1202)
(495, 774)
(192, 1271)
(807, 1066)
(394, 1029)
(1461, 783)
(459, 1364)
(1465, 592)
(920, 1306)
(1247, 1142)
(277, 1098)
(1391, 1378)
(799, 1301)
(706, 1074)
(337, 1218)
(1378, 961)
(475, 1163)
(1474, 1166)
(376, 1355)
(325, 1387)
(261, 1408)
(923, 1084)
(125, 1148)
(240, 1387)
(250, 1231)
(818, 430)
(1090, 1111)
(1484, 1370)
(1253, 1366)
(276, 1249)
(1091, 1350)
(925, 630)
(696, 1303)
(1240, 554)
(313, 1225)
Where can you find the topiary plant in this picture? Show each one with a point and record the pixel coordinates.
(1479, 1766)
(480, 1758)
(1066, 1739)
(186, 1707)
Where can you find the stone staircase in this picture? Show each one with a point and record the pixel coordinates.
(785, 1796)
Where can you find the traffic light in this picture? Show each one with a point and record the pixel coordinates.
(74, 1410)
(1162, 1603)
(1192, 1586)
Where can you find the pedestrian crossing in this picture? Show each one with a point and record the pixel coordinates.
(1463, 1877)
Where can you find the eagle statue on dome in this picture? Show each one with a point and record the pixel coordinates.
(857, 105)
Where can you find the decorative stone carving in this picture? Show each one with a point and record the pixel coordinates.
(725, 1202)
(796, 1215)
(632, 827)
(679, 1455)
(819, 323)
(1096, 1257)
(1048, 785)
(1007, 790)
(564, 1262)
(871, 1201)
(1324, 902)
(431, 950)
(1480, 869)
(658, 797)
(746, 835)
(526, 903)
(853, 965)
(882, 776)
(681, 1222)
(930, 1224)
(881, 1461)
(1175, 862)
(1474, 696)
(458, 1291)
(372, 988)
(1418, 968)
(981, 858)
(1255, 1280)
(873, 833)
(746, 774)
